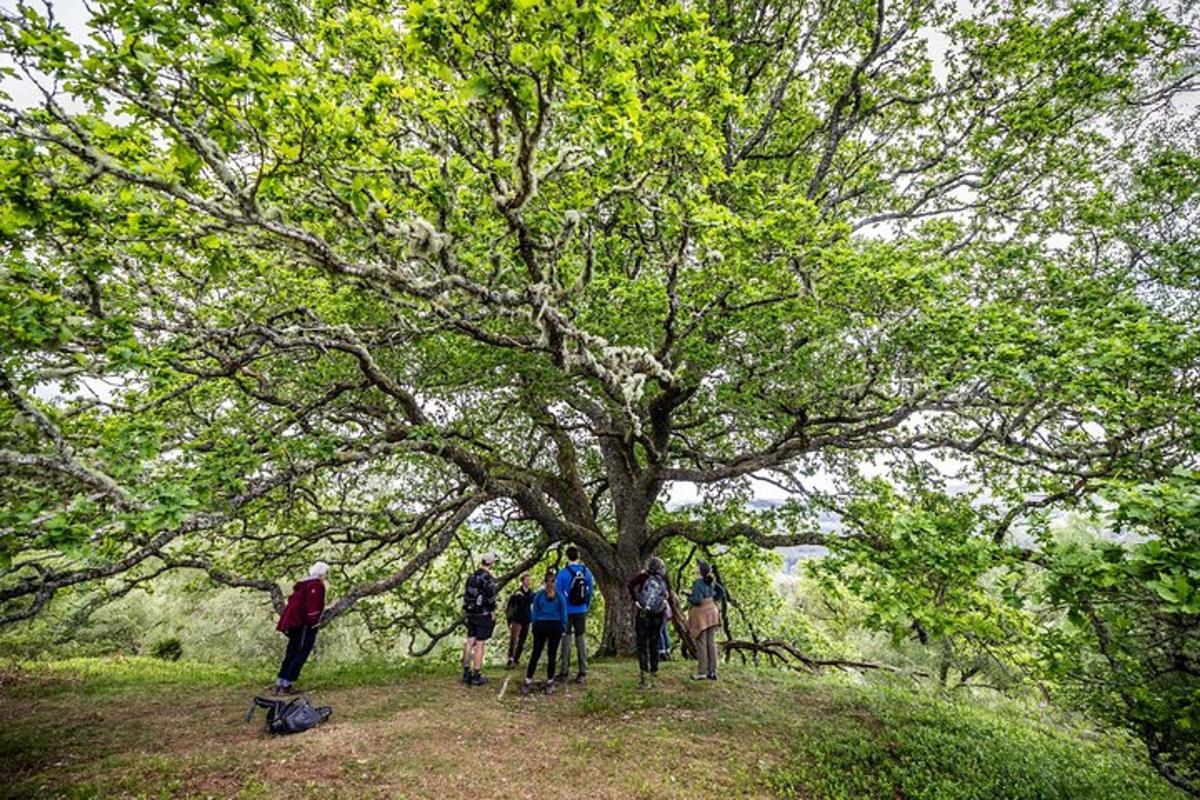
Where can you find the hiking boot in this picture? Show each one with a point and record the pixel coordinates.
(712, 677)
(466, 678)
(579, 678)
(478, 680)
(653, 680)
(642, 680)
(527, 686)
(289, 689)
(549, 688)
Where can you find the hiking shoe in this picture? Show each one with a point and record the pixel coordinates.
(579, 678)
(712, 677)
(478, 680)
(289, 689)
(653, 680)
(642, 681)
(466, 678)
(527, 686)
(549, 689)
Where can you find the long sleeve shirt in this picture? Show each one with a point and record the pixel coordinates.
(563, 585)
(703, 590)
(545, 609)
(304, 606)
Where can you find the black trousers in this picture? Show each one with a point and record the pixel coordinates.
(546, 634)
(648, 629)
(300, 644)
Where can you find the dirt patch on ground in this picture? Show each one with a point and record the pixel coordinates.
(425, 737)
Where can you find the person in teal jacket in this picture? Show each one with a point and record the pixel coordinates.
(577, 586)
(548, 612)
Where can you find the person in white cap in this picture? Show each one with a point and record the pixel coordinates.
(299, 622)
(479, 605)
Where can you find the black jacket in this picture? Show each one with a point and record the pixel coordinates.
(519, 603)
(480, 594)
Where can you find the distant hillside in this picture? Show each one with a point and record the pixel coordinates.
(144, 728)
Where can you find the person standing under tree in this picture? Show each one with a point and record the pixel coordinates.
(576, 584)
(704, 618)
(479, 605)
(516, 614)
(651, 598)
(548, 610)
(299, 621)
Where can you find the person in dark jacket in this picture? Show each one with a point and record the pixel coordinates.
(479, 605)
(704, 619)
(651, 595)
(299, 621)
(548, 610)
(516, 614)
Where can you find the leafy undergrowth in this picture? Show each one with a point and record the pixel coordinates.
(145, 728)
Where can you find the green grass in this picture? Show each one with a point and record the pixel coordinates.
(135, 727)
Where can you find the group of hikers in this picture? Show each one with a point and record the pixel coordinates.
(555, 614)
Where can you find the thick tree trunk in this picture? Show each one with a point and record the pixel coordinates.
(618, 637)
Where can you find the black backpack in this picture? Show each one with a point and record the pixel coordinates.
(653, 595)
(473, 597)
(578, 594)
(289, 716)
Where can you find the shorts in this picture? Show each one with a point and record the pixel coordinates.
(577, 623)
(480, 627)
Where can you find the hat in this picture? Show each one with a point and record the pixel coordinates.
(489, 558)
(318, 570)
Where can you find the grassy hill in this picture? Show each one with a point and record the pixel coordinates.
(145, 728)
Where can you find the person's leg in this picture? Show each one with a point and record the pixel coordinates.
(702, 654)
(289, 655)
(712, 653)
(480, 647)
(641, 636)
(653, 629)
(514, 629)
(468, 652)
(564, 666)
(539, 642)
(554, 638)
(581, 644)
(308, 637)
(521, 641)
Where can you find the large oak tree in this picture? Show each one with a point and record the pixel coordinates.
(295, 277)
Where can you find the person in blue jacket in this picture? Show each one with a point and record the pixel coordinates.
(576, 584)
(548, 611)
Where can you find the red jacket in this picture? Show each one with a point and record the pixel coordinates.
(304, 606)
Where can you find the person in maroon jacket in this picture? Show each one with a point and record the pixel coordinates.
(299, 622)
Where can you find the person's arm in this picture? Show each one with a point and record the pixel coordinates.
(634, 584)
(562, 583)
(314, 603)
(591, 582)
(694, 597)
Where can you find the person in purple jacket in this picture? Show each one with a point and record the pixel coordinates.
(299, 622)
(548, 610)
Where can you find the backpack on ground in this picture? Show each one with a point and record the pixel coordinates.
(653, 595)
(289, 716)
(578, 594)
